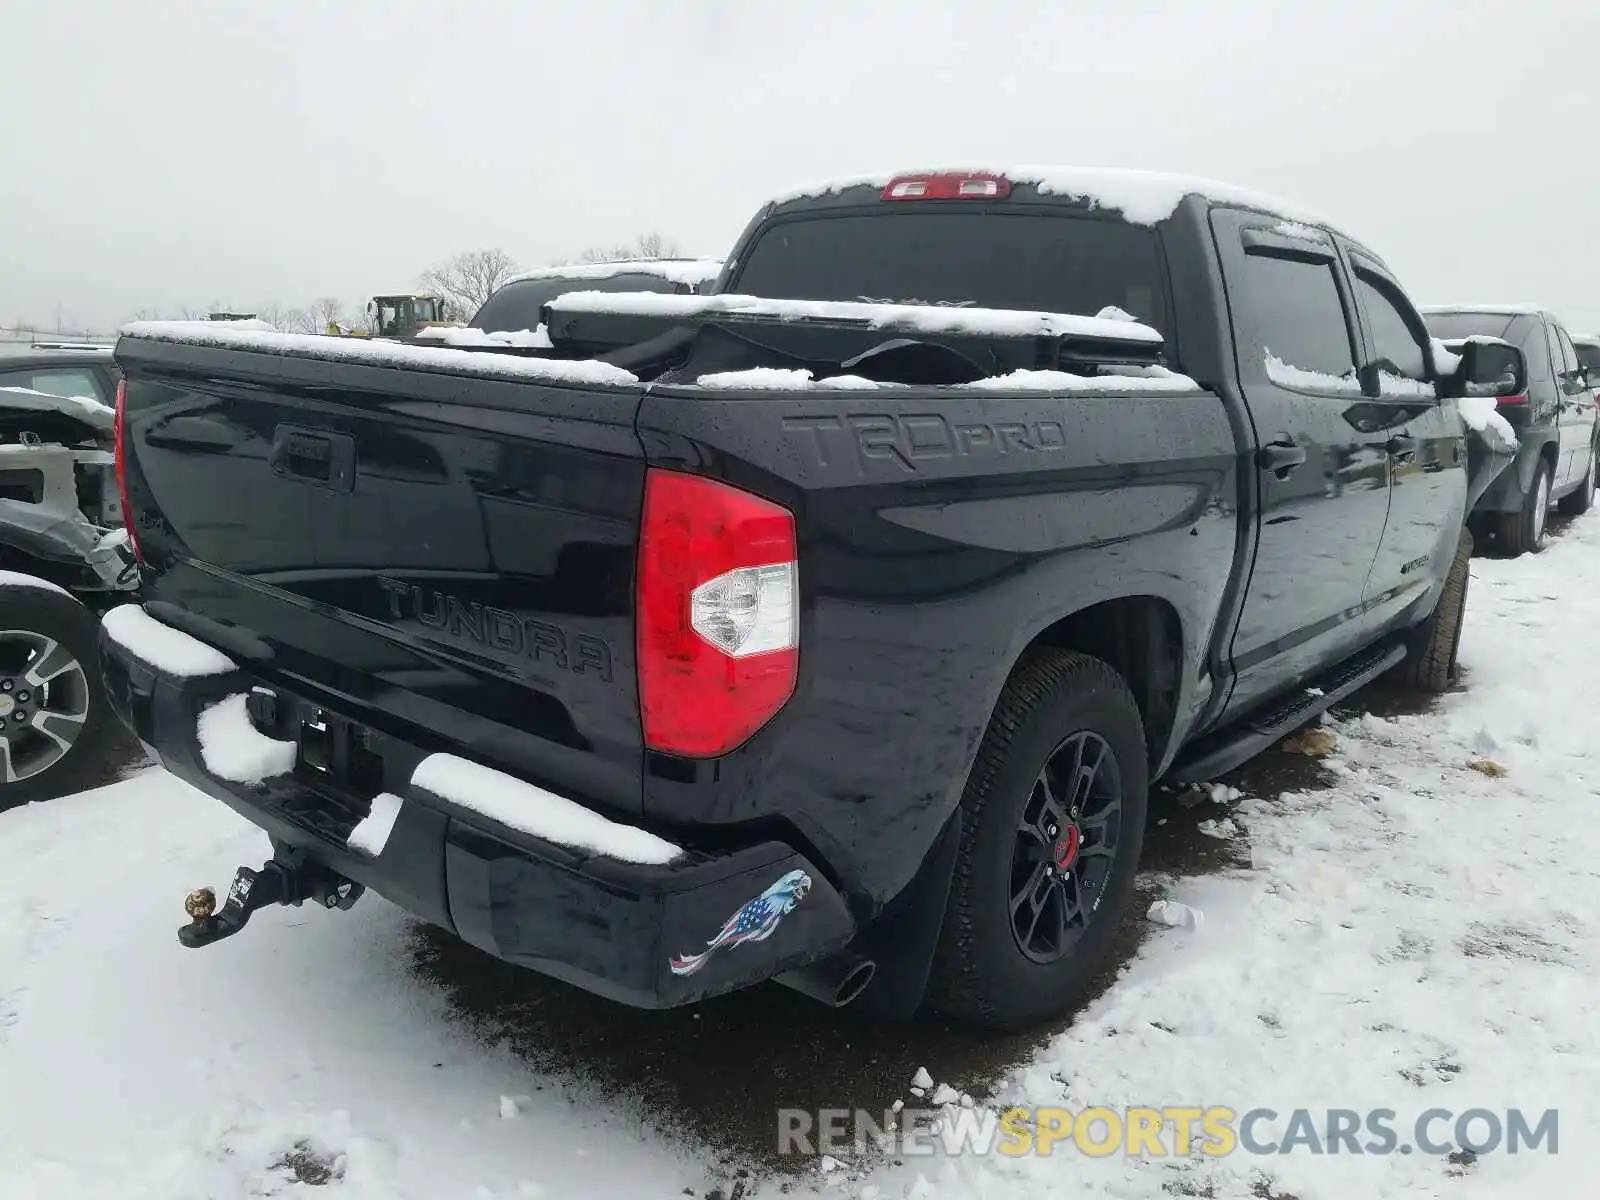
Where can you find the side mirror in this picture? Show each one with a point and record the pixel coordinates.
(1489, 367)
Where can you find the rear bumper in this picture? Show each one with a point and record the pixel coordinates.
(638, 933)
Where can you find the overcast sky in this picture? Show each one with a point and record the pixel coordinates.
(165, 153)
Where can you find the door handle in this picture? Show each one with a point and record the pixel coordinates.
(1402, 448)
(1281, 458)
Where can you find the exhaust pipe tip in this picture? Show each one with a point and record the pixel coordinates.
(834, 982)
(854, 983)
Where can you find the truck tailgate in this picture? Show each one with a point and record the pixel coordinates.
(444, 557)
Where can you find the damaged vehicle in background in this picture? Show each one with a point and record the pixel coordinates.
(64, 558)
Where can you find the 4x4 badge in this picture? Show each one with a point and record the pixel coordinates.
(755, 921)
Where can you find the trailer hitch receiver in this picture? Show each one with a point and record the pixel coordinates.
(277, 882)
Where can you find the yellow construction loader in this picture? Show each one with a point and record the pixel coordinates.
(397, 317)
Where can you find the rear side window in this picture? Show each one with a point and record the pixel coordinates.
(516, 306)
(1569, 355)
(1394, 339)
(1448, 325)
(1292, 317)
(1528, 334)
(1043, 262)
(56, 381)
(1589, 356)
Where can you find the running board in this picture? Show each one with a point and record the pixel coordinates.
(1238, 744)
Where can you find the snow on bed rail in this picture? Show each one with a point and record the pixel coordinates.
(163, 647)
(690, 272)
(783, 379)
(379, 353)
(906, 318)
(232, 748)
(1150, 379)
(536, 339)
(1142, 197)
(523, 806)
(1128, 379)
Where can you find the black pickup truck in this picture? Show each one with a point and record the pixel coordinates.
(829, 628)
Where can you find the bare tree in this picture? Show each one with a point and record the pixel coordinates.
(284, 320)
(467, 280)
(323, 312)
(645, 246)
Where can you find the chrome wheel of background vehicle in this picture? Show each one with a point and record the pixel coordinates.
(56, 727)
(44, 703)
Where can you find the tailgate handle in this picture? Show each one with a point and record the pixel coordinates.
(314, 456)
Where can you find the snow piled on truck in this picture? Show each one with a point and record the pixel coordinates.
(785, 379)
(533, 339)
(904, 318)
(1390, 385)
(527, 808)
(1482, 414)
(379, 353)
(234, 749)
(688, 272)
(161, 646)
(1142, 197)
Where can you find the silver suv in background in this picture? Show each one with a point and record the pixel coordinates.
(1554, 419)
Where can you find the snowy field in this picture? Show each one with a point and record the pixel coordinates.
(1419, 933)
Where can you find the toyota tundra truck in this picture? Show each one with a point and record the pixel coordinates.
(830, 628)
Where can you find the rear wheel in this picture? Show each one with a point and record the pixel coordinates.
(1582, 500)
(1430, 661)
(1054, 817)
(55, 727)
(1522, 532)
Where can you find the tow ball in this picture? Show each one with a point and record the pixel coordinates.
(277, 882)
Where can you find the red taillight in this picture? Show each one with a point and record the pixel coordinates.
(121, 456)
(718, 614)
(977, 185)
(1520, 398)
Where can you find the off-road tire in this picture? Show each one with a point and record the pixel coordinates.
(1577, 503)
(1523, 532)
(59, 617)
(1430, 661)
(980, 976)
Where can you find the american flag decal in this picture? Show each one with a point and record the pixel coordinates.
(755, 921)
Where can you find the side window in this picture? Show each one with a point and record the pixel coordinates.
(1569, 356)
(1396, 337)
(57, 381)
(1529, 335)
(1293, 321)
(1555, 351)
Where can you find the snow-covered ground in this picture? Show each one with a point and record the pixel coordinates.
(1421, 934)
